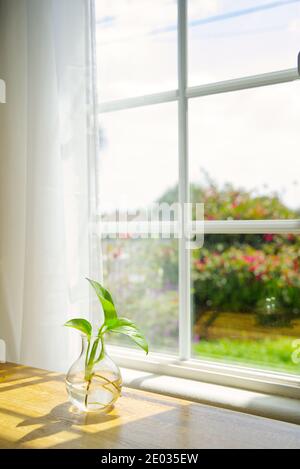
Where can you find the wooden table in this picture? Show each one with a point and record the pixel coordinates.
(34, 413)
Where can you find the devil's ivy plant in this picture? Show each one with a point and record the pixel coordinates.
(112, 323)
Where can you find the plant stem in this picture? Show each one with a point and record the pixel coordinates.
(87, 352)
(108, 382)
(101, 354)
(87, 392)
(91, 360)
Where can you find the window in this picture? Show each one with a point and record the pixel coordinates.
(220, 129)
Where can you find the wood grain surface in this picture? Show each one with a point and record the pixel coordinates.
(35, 413)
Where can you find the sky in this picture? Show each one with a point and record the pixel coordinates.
(249, 138)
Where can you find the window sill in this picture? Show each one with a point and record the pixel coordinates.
(264, 405)
(232, 377)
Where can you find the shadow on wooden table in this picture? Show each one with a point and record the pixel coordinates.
(62, 417)
(10, 372)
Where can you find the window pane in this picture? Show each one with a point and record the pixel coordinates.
(247, 299)
(138, 156)
(136, 47)
(230, 38)
(143, 277)
(244, 148)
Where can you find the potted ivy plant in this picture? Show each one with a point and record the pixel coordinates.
(94, 381)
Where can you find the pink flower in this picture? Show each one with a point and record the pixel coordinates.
(196, 338)
(249, 259)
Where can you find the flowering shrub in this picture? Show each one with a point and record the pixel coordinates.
(241, 273)
(241, 277)
(228, 203)
(256, 274)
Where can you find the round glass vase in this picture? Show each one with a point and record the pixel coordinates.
(94, 381)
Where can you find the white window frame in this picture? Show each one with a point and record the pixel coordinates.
(186, 367)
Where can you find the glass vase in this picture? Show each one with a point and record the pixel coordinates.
(94, 381)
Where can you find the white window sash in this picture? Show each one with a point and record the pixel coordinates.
(182, 96)
(136, 228)
(226, 86)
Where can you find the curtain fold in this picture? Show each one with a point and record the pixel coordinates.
(45, 143)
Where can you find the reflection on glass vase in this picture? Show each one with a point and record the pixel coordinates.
(94, 381)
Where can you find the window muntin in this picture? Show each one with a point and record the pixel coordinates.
(230, 39)
(185, 344)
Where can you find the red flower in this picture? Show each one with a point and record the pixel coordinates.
(296, 265)
(200, 264)
(268, 237)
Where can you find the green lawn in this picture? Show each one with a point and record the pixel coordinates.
(268, 353)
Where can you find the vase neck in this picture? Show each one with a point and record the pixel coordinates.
(88, 343)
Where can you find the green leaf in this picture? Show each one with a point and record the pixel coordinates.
(127, 327)
(81, 325)
(105, 299)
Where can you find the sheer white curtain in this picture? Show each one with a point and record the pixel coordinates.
(46, 148)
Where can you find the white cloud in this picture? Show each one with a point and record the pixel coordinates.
(133, 18)
(198, 8)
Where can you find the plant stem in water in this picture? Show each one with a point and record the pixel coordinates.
(87, 392)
